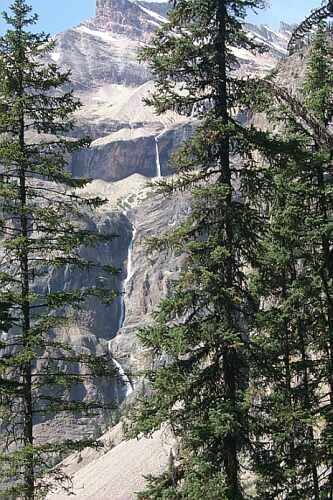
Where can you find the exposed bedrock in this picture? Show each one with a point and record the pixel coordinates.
(152, 275)
(124, 17)
(98, 318)
(96, 58)
(128, 152)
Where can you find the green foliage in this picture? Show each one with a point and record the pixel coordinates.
(317, 87)
(292, 339)
(42, 232)
(242, 345)
(200, 379)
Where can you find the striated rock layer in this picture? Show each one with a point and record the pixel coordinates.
(125, 17)
(131, 145)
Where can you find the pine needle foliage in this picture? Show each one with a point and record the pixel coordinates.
(42, 231)
(200, 377)
(292, 341)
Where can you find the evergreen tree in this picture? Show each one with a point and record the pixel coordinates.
(286, 379)
(200, 377)
(318, 98)
(294, 331)
(42, 230)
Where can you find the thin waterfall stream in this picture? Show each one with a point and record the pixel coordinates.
(158, 159)
(194, 109)
(129, 274)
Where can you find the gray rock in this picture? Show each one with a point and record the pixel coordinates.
(130, 151)
(125, 17)
(152, 275)
(130, 143)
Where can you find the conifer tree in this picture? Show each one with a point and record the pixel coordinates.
(286, 381)
(42, 230)
(318, 98)
(200, 339)
(294, 331)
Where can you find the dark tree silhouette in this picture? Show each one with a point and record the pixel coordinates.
(302, 32)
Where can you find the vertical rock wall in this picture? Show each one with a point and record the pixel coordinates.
(123, 16)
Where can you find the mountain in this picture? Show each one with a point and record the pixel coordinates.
(121, 27)
(131, 146)
(136, 20)
(110, 81)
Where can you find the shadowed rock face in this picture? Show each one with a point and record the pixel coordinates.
(98, 318)
(130, 144)
(129, 152)
(117, 159)
(96, 323)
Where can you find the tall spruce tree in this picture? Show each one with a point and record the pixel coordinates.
(294, 331)
(42, 230)
(200, 338)
(286, 379)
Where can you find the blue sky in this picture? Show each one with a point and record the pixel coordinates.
(57, 15)
(291, 11)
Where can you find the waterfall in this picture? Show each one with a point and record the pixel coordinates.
(121, 372)
(129, 274)
(158, 160)
(3, 336)
(124, 378)
(158, 163)
(122, 311)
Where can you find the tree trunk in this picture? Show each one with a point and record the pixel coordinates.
(230, 356)
(29, 473)
(310, 456)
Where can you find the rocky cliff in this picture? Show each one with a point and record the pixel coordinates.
(124, 17)
(131, 146)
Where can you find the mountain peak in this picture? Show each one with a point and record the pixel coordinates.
(108, 7)
(137, 20)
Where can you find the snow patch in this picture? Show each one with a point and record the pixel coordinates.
(151, 13)
(278, 34)
(55, 56)
(106, 36)
(272, 40)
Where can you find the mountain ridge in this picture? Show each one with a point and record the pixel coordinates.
(132, 145)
